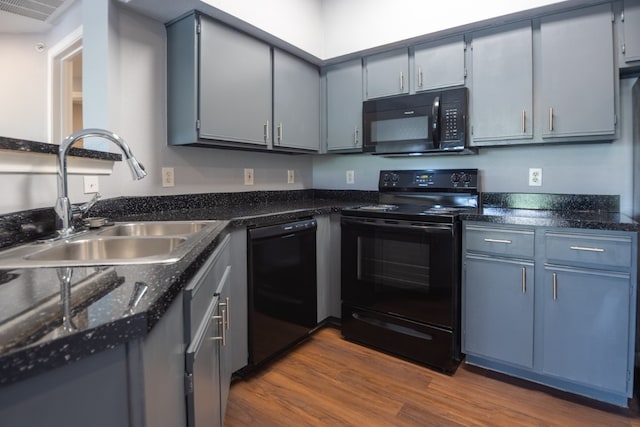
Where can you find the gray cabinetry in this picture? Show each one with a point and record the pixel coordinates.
(296, 103)
(344, 106)
(630, 34)
(577, 74)
(556, 306)
(207, 331)
(235, 85)
(439, 64)
(238, 314)
(328, 263)
(502, 86)
(498, 284)
(387, 73)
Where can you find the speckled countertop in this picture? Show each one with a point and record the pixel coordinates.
(596, 212)
(24, 145)
(31, 339)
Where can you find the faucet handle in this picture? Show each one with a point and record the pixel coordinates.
(84, 207)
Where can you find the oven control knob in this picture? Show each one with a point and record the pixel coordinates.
(466, 178)
(455, 178)
(395, 177)
(385, 179)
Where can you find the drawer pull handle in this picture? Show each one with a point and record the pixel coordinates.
(586, 249)
(555, 286)
(524, 280)
(506, 242)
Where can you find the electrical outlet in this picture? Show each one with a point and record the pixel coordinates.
(535, 177)
(248, 176)
(168, 178)
(91, 184)
(351, 178)
(291, 178)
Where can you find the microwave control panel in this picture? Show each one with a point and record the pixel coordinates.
(453, 119)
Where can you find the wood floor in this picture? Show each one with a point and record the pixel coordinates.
(328, 381)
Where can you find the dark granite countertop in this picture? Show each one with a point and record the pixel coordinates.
(596, 212)
(24, 145)
(31, 337)
(106, 318)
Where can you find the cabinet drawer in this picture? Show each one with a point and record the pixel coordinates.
(591, 250)
(200, 291)
(500, 241)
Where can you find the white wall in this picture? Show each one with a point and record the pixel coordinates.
(601, 168)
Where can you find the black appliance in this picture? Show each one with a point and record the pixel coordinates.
(427, 122)
(401, 265)
(281, 287)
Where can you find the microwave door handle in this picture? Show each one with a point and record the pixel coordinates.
(435, 114)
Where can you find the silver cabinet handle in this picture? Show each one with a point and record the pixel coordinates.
(506, 242)
(266, 131)
(223, 320)
(551, 119)
(524, 121)
(280, 132)
(401, 81)
(586, 249)
(555, 286)
(228, 310)
(420, 78)
(356, 136)
(524, 280)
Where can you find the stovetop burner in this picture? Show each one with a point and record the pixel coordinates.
(438, 195)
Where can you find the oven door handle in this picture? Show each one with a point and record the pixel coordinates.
(394, 224)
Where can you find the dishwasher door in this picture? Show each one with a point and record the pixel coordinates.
(282, 287)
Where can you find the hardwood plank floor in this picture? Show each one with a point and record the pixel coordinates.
(328, 381)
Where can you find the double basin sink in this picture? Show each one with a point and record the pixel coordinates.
(148, 242)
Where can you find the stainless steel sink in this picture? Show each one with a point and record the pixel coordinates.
(108, 249)
(151, 242)
(156, 228)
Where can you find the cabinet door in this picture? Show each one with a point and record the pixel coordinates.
(439, 64)
(586, 327)
(387, 73)
(344, 107)
(631, 31)
(498, 309)
(502, 91)
(226, 353)
(577, 76)
(235, 85)
(296, 103)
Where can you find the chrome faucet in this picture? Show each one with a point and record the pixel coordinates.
(64, 209)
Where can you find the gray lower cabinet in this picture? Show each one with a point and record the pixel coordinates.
(565, 316)
(207, 302)
(630, 32)
(499, 289)
(344, 107)
(502, 86)
(439, 64)
(387, 73)
(577, 83)
(296, 103)
(238, 314)
(328, 266)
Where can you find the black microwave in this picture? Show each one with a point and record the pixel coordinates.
(427, 122)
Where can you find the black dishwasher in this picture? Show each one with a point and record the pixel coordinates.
(281, 287)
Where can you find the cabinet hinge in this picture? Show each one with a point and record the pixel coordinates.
(188, 384)
(472, 130)
(622, 16)
(465, 72)
(613, 17)
(198, 28)
(624, 48)
(197, 124)
(466, 45)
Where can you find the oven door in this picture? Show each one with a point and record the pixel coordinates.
(405, 269)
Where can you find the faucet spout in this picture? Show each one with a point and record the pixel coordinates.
(63, 206)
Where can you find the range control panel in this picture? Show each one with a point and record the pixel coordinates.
(432, 179)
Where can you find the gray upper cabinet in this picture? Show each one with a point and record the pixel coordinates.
(387, 73)
(577, 74)
(296, 103)
(235, 85)
(344, 106)
(439, 64)
(502, 86)
(630, 35)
